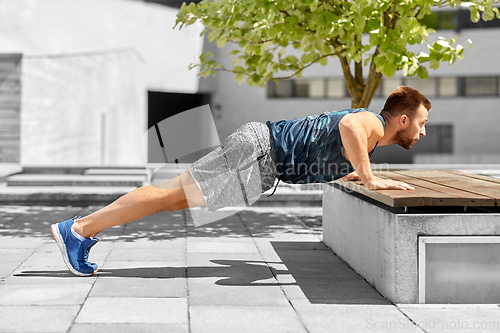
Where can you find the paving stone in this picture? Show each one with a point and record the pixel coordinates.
(14, 255)
(44, 294)
(204, 292)
(51, 318)
(140, 287)
(30, 276)
(240, 273)
(466, 319)
(336, 291)
(315, 270)
(352, 318)
(252, 319)
(223, 259)
(15, 242)
(149, 269)
(54, 259)
(221, 246)
(130, 328)
(326, 257)
(133, 310)
(8, 268)
(144, 254)
(175, 243)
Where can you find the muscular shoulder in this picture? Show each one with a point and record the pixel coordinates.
(368, 120)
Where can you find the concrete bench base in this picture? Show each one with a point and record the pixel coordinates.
(381, 244)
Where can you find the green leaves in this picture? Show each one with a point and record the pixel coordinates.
(367, 31)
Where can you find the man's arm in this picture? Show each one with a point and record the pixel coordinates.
(356, 130)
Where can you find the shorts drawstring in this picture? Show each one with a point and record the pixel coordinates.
(275, 187)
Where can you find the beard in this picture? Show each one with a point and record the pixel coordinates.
(401, 139)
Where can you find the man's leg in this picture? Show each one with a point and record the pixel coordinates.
(177, 194)
(75, 238)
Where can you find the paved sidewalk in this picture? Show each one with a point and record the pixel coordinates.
(260, 270)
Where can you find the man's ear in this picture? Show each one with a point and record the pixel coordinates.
(404, 120)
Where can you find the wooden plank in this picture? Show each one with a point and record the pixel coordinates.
(393, 198)
(442, 195)
(476, 176)
(460, 182)
(435, 195)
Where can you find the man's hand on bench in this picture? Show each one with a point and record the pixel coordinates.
(350, 177)
(387, 184)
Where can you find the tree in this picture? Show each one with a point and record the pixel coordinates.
(321, 29)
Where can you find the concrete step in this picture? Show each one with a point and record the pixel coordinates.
(7, 169)
(117, 171)
(61, 195)
(75, 180)
(103, 195)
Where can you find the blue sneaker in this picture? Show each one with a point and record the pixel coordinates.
(75, 253)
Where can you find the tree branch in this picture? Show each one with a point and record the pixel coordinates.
(372, 83)
(285, 77)
(334, 7)
(350, 82)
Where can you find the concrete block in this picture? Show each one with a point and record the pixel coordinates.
(75, 180)
(14, 255)
(447, 320)
(44, 294)
(251, 319)
(228, 246)
(133, 310)
(352, 318)
(206, 292)
(334, 291)
(381, 245)
(129, 328)
(53, 318)
(222, 259)
(138, 269)
(140, 287)
(143, 254)
(234, 274)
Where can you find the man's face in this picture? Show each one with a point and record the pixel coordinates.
(413, 129)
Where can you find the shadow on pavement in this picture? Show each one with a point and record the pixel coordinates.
(308, 270)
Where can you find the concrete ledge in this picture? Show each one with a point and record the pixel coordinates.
(8, 169)
(75, 180)
(381, 243)
(61, 195)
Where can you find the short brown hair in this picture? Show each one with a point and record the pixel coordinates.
(404, 100)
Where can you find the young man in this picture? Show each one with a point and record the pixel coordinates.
(312, 149)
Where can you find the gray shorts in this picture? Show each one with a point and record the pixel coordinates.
(240, 170)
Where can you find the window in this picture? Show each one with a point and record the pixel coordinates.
(448, 86)
(389, 84)
(281, 89)
(335, 88)
(455, 19)
(428, 87)
(438, 140)
(431, 87)
(309, 88)
(481, 86)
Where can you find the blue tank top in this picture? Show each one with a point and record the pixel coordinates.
(309, 149)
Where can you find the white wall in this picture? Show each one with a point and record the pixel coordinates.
(83, 110)
(35, 27)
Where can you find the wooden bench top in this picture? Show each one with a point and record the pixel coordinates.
(434, 188)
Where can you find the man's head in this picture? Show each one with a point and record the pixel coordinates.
(407, 109)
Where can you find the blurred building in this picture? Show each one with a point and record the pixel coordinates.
(463, 124)
(82, 81)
